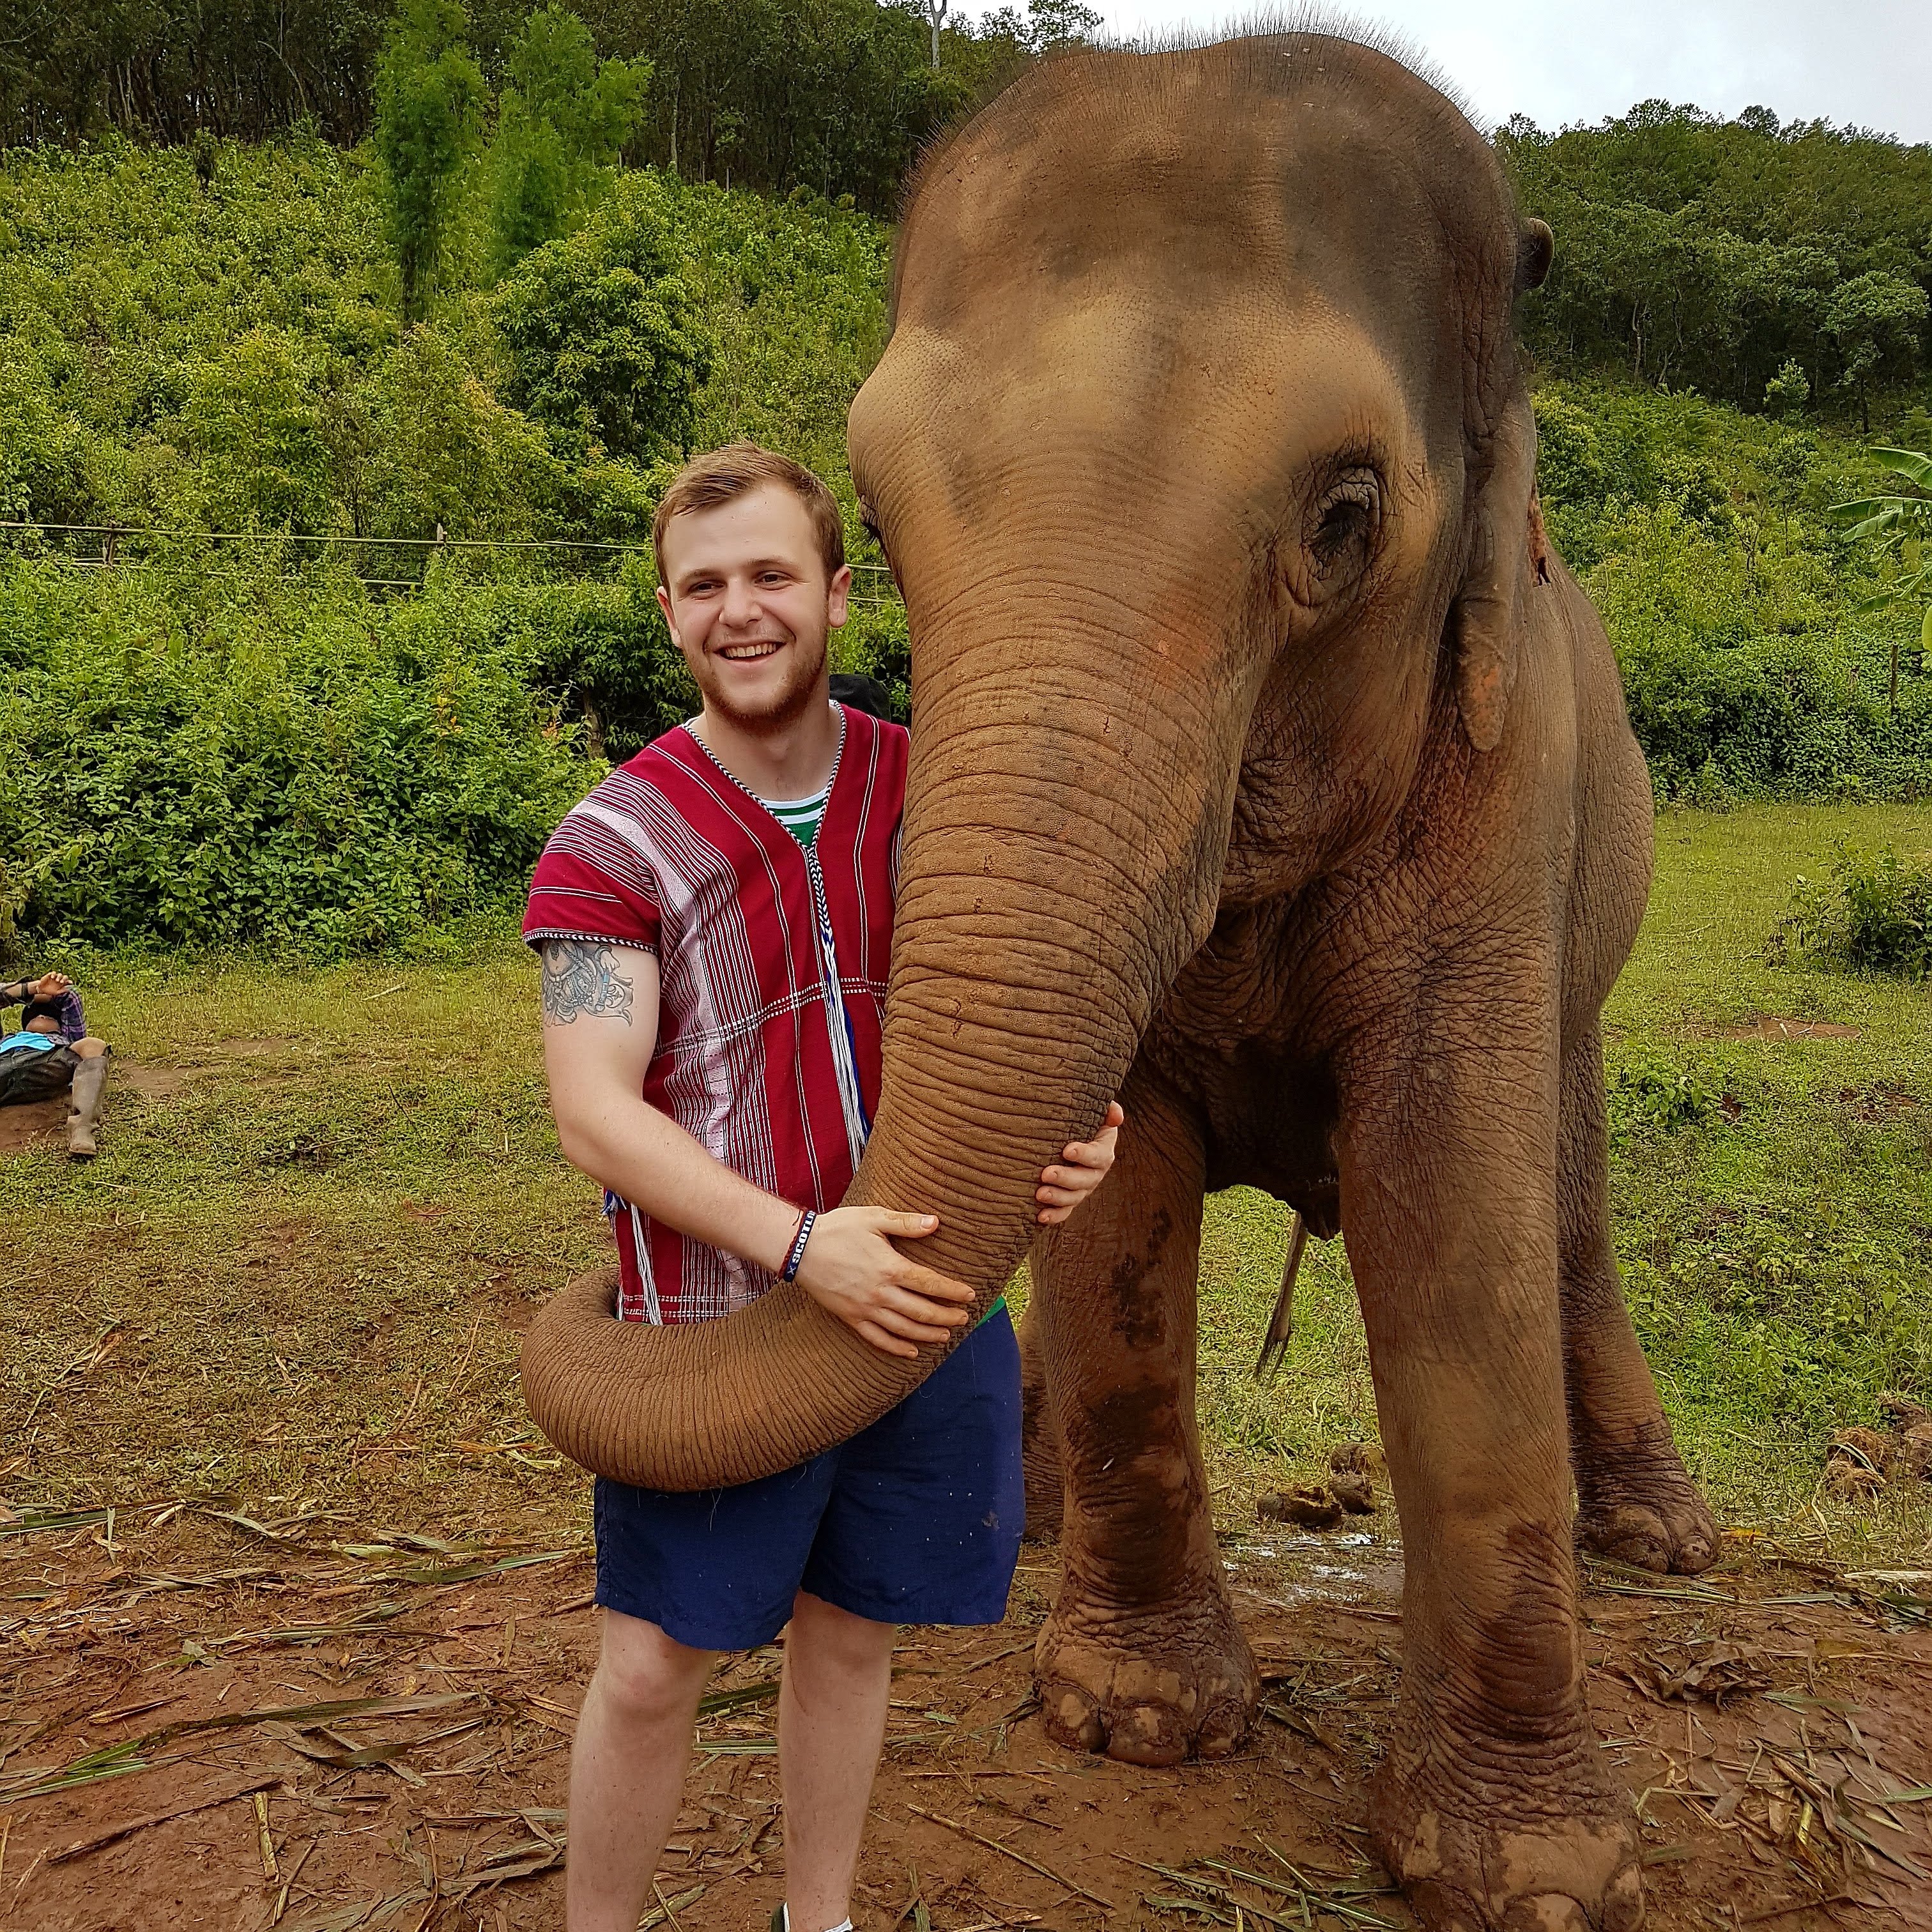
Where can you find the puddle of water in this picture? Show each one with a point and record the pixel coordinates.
(1302, 1569)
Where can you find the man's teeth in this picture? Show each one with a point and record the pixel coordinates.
(744, 653)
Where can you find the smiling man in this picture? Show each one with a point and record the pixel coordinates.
(714, 921)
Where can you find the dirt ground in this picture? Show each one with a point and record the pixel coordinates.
(24, 1126)
(229, 1723)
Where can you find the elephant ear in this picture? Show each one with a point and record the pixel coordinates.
(1507, 556)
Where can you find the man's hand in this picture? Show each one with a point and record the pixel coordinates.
(1062, 1190)
(852, 1271)
(49, 986)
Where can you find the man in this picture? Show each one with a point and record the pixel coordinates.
(714, 921)
(53, 1053)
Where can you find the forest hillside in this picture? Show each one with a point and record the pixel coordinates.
(327, 455)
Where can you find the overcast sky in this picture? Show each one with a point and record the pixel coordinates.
(1869, 64)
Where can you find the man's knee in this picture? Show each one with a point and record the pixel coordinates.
(839, 1636)
(646, 1676)
(89, 1048)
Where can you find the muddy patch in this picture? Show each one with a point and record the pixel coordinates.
(41, 1122)
(151, 1082)
(1777, 1026)
(22, 1127)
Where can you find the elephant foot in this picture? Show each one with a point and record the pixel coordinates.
(1472, 1857)
(1641, 1508)
(1147, 1687)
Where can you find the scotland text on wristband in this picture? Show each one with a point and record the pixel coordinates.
(789, 1271)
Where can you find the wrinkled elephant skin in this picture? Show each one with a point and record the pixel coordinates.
(1270, 770)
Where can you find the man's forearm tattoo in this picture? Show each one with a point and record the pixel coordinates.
(580, 976)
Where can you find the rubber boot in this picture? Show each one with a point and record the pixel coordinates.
(88, 1077)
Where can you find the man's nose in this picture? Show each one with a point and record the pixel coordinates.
(741, 603)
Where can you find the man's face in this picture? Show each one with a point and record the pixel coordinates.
(746, 596)
(41, 1023)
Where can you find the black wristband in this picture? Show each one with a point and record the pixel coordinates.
(789, 1271)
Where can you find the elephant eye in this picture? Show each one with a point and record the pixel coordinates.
(1348, 519)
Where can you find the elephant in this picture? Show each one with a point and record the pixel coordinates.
(1270, 770)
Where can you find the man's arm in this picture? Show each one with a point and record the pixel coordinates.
(46, 987)
(600, 1022)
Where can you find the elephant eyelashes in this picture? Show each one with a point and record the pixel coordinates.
(869, 525)
(1347, 522)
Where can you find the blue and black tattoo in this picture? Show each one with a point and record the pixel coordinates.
(581, 976)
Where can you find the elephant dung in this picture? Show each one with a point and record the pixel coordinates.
(1354, 1491)
(1310, 1508)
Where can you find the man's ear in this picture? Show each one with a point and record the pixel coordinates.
(1487, 617)
(670, 621)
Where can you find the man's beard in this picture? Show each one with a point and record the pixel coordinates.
(794, 700)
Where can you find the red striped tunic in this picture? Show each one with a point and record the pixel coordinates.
(772, 962)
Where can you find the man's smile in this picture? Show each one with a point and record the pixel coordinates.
(762, 647)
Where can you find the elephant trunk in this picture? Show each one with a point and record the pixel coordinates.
(1066, 817)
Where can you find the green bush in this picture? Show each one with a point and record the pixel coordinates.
(1872, 916)
(1751, 667)
(1649, 1096)
(289, 766)
(601, 329)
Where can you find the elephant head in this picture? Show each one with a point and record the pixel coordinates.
(1200, 455)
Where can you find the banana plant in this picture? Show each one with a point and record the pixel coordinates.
(1900, 524)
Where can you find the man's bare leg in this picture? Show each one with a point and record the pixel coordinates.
(832, 1722)
(627, 1770)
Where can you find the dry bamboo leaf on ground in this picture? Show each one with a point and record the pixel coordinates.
(128, 1756)
(1728, 1671)
(100, 1841)
(660, 1913)
(1007, 1851)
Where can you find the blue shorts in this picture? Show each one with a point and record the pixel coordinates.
(915, 1520)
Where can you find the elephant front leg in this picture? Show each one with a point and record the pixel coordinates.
(1491, 1806)
(1636, 1501)
(1039, 1431)
(1141, 1656)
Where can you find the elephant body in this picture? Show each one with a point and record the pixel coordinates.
(1269, 771)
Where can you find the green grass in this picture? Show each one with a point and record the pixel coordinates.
(1772, 1203)
(320, 1247)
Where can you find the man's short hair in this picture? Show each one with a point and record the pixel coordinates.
(723, 475)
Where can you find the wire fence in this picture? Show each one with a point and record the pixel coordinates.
(877, 578)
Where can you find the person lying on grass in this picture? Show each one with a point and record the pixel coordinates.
(714, 921)
(53, 1053)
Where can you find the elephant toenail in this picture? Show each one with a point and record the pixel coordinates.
(1546, 1911)
(1442, 1909)
(1077, 1722)
(1622, 1909)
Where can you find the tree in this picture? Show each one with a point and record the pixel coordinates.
(1901, 526)
(1874, 319)
(562, 118)
(429, 104)
(1694, 249)
(1047, 24)
(1060, 23)
(605, 342)
(1787, 392)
